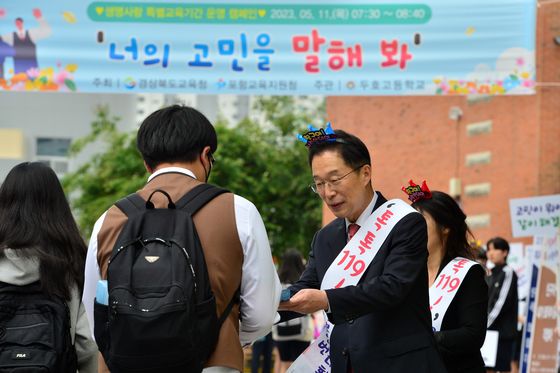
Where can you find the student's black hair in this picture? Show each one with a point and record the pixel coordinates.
(499, 244)
(352, 150)
(481, 254)
(36, 221)
(292, 266)
(448, 214)
(175, 134)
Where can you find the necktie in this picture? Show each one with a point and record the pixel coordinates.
(352, 229)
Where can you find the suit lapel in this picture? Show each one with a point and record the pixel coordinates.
(338, 240)
(380, 201)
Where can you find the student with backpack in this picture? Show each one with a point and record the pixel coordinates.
(181, 271)
(43, 326)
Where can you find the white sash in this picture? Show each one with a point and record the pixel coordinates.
(445, 287)
(346, 270)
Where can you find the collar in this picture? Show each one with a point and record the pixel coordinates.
(166, 170)
(365, 214)
(498, 267)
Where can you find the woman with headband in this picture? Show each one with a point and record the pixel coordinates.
(458, 291)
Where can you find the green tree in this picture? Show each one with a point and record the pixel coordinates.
(261, 161)
(112, 173)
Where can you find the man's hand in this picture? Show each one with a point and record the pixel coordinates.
(306, 301)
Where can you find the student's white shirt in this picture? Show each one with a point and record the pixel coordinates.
(260, 286)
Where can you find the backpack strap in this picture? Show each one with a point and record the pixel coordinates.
(193, 201)
(199, 196)
(229, 307)
(131, 204)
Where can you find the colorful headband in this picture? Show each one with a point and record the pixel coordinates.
(318, 135)
(416, 192)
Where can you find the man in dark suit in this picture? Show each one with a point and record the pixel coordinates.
(382, 324)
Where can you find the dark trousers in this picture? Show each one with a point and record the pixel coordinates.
(262, 347)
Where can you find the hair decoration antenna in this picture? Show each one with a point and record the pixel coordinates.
(416, 192)
(317, 135)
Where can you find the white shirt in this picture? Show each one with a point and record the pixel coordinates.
(260, 286)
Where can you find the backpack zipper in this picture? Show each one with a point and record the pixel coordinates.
(190, 266)
(128, 308)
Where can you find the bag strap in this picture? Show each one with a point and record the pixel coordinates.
(130, 204)
(229, 307)
(199, 196)
(193, 201)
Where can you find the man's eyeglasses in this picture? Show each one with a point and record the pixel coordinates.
(212, 159)
(319, 186)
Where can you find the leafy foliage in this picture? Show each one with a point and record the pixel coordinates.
(109, 175)
(261, 161)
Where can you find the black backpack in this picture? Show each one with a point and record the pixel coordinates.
(161, 314)
(34, 332)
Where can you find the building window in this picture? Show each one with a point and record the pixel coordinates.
(53, 152)
(474, 159)
(475, 129)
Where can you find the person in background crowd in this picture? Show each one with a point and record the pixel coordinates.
(291, 337)
(502, 302)
(480, 255)
(262, 348)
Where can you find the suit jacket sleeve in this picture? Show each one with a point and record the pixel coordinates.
(470, 306)
(309, 278)
(405, 260)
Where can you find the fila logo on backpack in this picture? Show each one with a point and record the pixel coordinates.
(161, 313)
(34, 332)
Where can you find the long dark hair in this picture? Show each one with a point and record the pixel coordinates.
(36, 221)
(292, 266)
(447, 213)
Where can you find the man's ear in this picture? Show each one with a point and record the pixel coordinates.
(365, 171)
(206, 150)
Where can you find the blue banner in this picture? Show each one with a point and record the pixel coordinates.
(435, 47)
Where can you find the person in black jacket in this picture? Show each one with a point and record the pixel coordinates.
(502, 302)
(463, 327)
(382, 324)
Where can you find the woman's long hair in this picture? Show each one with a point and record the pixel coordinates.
(447, 213)
(36, 221)
(292, 266)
